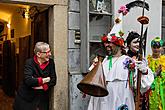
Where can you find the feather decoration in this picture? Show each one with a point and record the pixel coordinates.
(137, 3)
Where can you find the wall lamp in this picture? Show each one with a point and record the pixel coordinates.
(29, 13)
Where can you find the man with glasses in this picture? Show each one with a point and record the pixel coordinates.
(39, 78)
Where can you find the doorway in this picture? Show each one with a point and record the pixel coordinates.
(21, 26)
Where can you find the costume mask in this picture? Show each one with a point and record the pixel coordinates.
(134, 45)
(108, 48)
(114, 49)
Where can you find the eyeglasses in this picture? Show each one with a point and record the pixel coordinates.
(46, 52)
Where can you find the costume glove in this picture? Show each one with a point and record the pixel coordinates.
(142, 66)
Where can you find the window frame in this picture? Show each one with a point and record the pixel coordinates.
(85, 33)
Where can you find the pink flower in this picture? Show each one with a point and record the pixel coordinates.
(123, 9)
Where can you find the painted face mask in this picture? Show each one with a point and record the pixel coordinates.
(134, 45)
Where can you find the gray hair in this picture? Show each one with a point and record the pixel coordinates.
(41, 47)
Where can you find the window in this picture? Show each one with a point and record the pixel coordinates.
(95, 21)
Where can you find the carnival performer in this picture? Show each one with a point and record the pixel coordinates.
(133, 48)
(120, 72)
(102, 51)
(132, 44)
(156, 62)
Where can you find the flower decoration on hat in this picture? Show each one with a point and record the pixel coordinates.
(116, 34)
(119, 41)
(123, 10)
(117, 20)
(104, 38)
(117, 28)
(121, 33)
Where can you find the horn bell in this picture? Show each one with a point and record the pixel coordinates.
(94, 82)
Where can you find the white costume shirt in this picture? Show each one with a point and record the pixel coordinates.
(118, 87)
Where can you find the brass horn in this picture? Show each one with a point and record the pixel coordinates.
(94, 82)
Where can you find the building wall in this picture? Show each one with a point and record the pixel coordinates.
(60, 56)
(76, 101)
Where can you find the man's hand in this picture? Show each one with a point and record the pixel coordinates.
(46, 80)
(39, 87)
(95, 61)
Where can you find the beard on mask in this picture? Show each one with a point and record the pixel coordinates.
(112, 51)
(108, 50)
(115, 50)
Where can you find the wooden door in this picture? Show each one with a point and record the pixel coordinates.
(40, 27)
(9, 68)
(24, 53)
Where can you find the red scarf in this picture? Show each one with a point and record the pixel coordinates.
(43, 65)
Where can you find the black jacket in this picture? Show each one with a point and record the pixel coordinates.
(31, 98)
